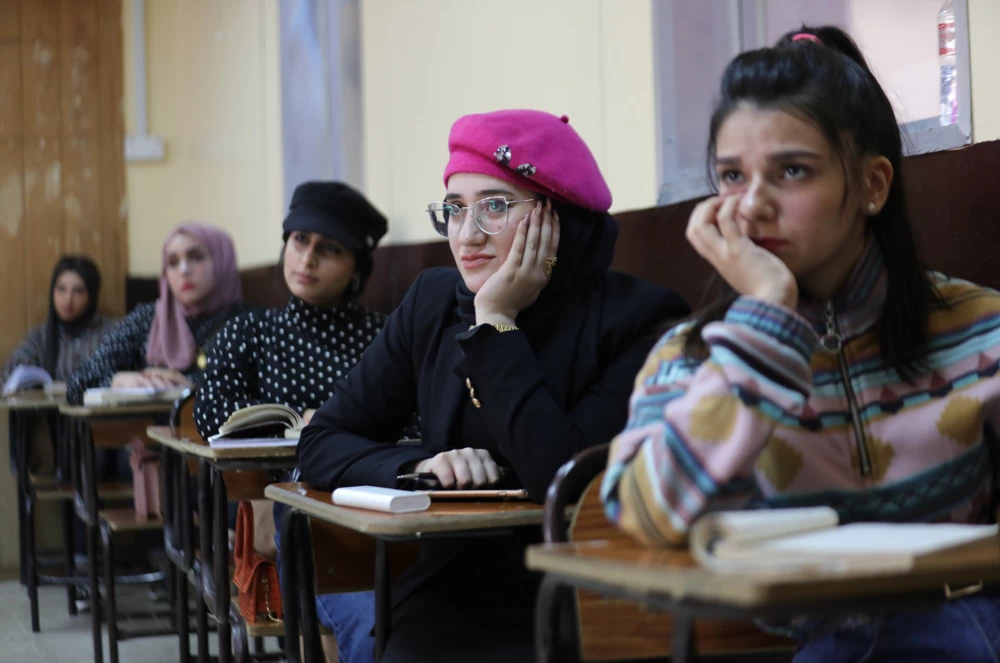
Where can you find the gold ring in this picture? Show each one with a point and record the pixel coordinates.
(550, 264)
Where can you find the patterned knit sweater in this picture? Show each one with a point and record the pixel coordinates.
(774, 418)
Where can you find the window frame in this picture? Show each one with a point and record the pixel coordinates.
(748, 30)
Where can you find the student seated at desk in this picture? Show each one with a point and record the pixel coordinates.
(519, 358)
(160, 344)
(295, 354)
(837, 369)
(73, 327)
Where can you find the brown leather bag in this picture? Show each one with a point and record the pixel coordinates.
(255, 576)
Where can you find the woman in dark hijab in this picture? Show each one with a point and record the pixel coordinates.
(73, 327)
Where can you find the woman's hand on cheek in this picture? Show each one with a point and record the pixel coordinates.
(517, 284)
(749, 269)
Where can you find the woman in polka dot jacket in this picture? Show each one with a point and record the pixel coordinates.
(295, 354)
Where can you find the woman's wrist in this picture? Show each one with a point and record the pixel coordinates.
(484, 317)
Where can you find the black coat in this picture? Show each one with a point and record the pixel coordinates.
(540, 405)
(546, 393)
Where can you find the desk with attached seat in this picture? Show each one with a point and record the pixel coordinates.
(107, 426)
(23, 411)
(238, 473)
(441, 520)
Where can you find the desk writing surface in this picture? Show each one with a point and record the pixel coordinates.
(202, 449)
(23, 402)
(440, 517)
(641, 570)
(138, 409)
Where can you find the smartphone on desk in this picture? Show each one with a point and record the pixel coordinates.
(427, 482)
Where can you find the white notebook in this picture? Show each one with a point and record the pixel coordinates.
(783, 540)
(217, 442)
(376, 498)
(128, 395)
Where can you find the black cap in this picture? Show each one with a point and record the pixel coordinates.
(337, 211)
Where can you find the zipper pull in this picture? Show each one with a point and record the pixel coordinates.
(831, 341)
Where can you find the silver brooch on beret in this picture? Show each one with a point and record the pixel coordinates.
(503, 154)
(526, 169)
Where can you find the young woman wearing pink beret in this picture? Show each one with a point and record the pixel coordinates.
(516, 359)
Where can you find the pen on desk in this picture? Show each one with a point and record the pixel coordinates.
(419, 476)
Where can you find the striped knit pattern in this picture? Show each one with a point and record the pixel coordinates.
(765, 420)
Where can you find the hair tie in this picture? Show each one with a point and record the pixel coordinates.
(806, 35)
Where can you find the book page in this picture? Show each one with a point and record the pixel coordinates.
(915, 539)
(714, 534)
(263, 413)
(26, 377)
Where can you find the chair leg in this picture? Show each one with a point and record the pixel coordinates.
(95, 593)
(69, 561)
(553, 644)
(683, 647)
(241, 642)
(201, 615)
(258, 646)
(22, 527)
(31, 560)
(109, 589)
(181, 619)
(170, 579)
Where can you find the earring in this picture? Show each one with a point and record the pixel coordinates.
(871, 208)
(356, 284)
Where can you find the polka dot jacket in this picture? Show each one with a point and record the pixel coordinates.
(124, 348)
(292, 355)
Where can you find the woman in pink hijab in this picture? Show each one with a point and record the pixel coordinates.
(161, 344)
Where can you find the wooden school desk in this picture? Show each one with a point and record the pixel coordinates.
(671, 580)
(441, 520)
(105, 426)
(23, 410)
(212, 579)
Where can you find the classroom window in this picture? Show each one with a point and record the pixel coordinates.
(693, 42)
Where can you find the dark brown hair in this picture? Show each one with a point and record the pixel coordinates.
(829, 84)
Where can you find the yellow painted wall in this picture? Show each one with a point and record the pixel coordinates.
(214, 95)
(427, 62)
(984, 26)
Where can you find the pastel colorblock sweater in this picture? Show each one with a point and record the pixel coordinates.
(777, 417)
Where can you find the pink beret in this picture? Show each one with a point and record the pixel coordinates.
(531, 149)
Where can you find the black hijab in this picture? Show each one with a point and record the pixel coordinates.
(562, 318)
(87, 270)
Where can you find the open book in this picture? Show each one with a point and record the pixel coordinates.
(268, 424)
(130, 396)
(785, 540)
(24, 378)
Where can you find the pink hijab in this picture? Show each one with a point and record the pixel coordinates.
(171, 343)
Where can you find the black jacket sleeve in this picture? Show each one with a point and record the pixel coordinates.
(229, 382)
(534, 432)
(351, 440)
(123, 349)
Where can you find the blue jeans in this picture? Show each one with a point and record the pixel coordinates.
(966, 630)
(349, 616)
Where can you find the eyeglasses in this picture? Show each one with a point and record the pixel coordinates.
(491, 215)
